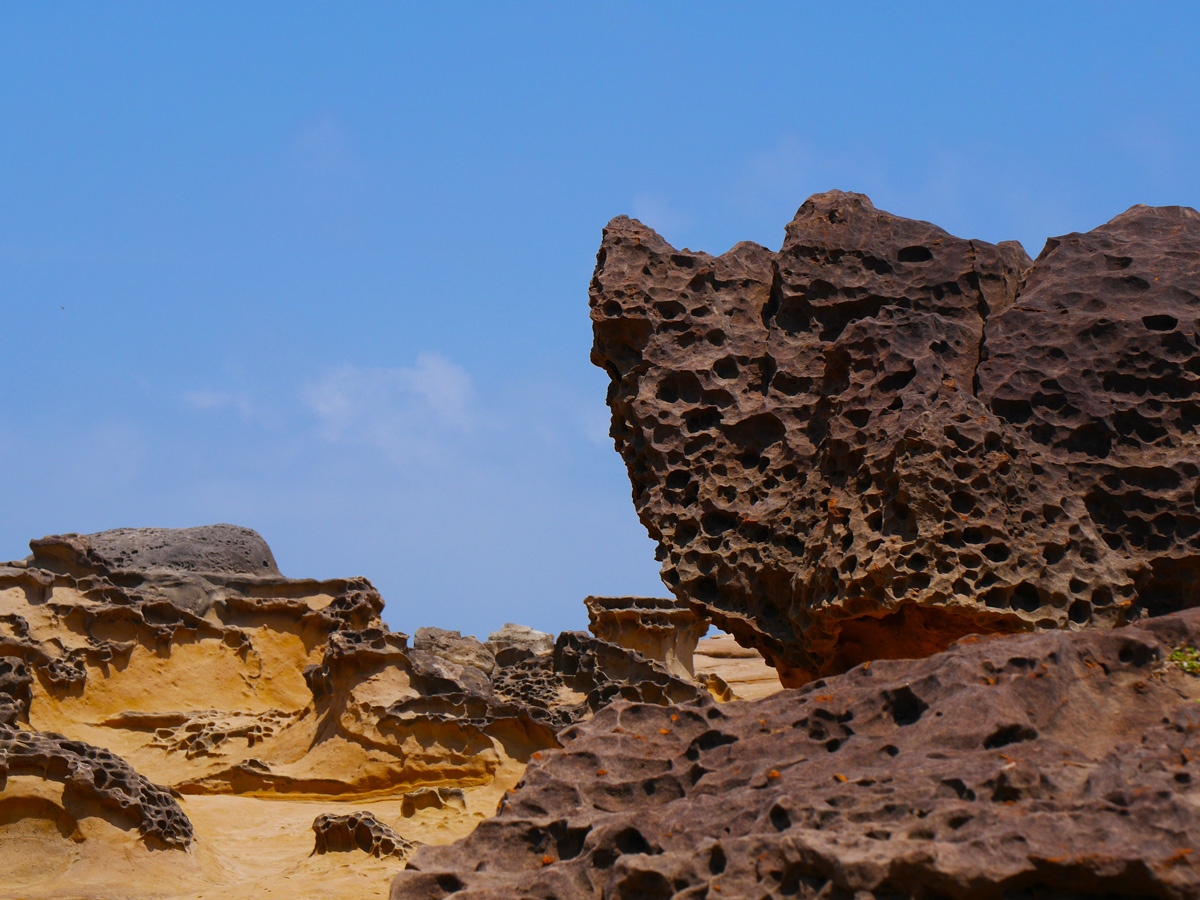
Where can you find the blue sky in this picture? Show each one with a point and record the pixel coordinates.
(322, 269)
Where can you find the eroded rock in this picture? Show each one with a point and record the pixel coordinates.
(247, 697)
(99, 779)
(1098, 366)
(359, 831)
(1059, 764)
(659, 629)
(516, 642)
(832, 475)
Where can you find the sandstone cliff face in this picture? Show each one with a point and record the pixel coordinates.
(179, 719)
(883, 437)
(1053, 765)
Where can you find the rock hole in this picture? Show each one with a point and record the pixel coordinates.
(630, 840)
(914, 255)
(905, 707)
(716, 860)
(781, 819)
(1009, 734)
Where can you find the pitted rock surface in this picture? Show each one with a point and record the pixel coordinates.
(833, 477)
(1060, 764)
(231, 687)
(359, 831)
(106, 780)
(15, 695)
(1098, 365)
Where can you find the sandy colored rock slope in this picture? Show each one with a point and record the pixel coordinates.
(177, 719)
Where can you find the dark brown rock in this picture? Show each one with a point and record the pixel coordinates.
(229, 549)
(806, 445)
(1097, 364)
(1061, 764)
(15, 695)
(359, 831)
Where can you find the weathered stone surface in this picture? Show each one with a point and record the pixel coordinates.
(100, 781)
(15, 695)
(229, 549)
(248, 697)
(359, 831)
(1060, 764)
(1098, 365)
(741, 669)
(806, 444)
(450, 645)
(515, 642)
(659, 629)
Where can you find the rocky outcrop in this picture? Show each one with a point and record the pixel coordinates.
(96, 780)
(150, 705)
(516, 642)
(881, 438)
(659, 629)
(1097, 366)
(452, 646)
(1060, 764)
(359, 831)
(742, 670)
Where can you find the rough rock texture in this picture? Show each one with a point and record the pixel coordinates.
(97, 778)
(230, 549)
(514, 642)
(659, 629)
(251, 698)
(359, 831)
(1061, 764)
(1098, 365)
(15, 695)
(877, 440)
(452, 646)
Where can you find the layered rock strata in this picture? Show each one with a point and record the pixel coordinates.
(172, 708)
(883, 437)
(1060, 764)
(659, 629)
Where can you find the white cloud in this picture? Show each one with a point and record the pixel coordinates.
(408, 411)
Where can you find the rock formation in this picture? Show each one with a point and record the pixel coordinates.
(884, 437)
(172, 708)
(657, 628)
(742, 670)
(949, 493)
(1052, 765)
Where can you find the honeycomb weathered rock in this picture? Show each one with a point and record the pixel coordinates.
(359, 831)
(830, 478)
(1051, 765)
(105, 780)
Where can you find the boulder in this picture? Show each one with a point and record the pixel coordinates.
(454, 647)
(837, 465)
